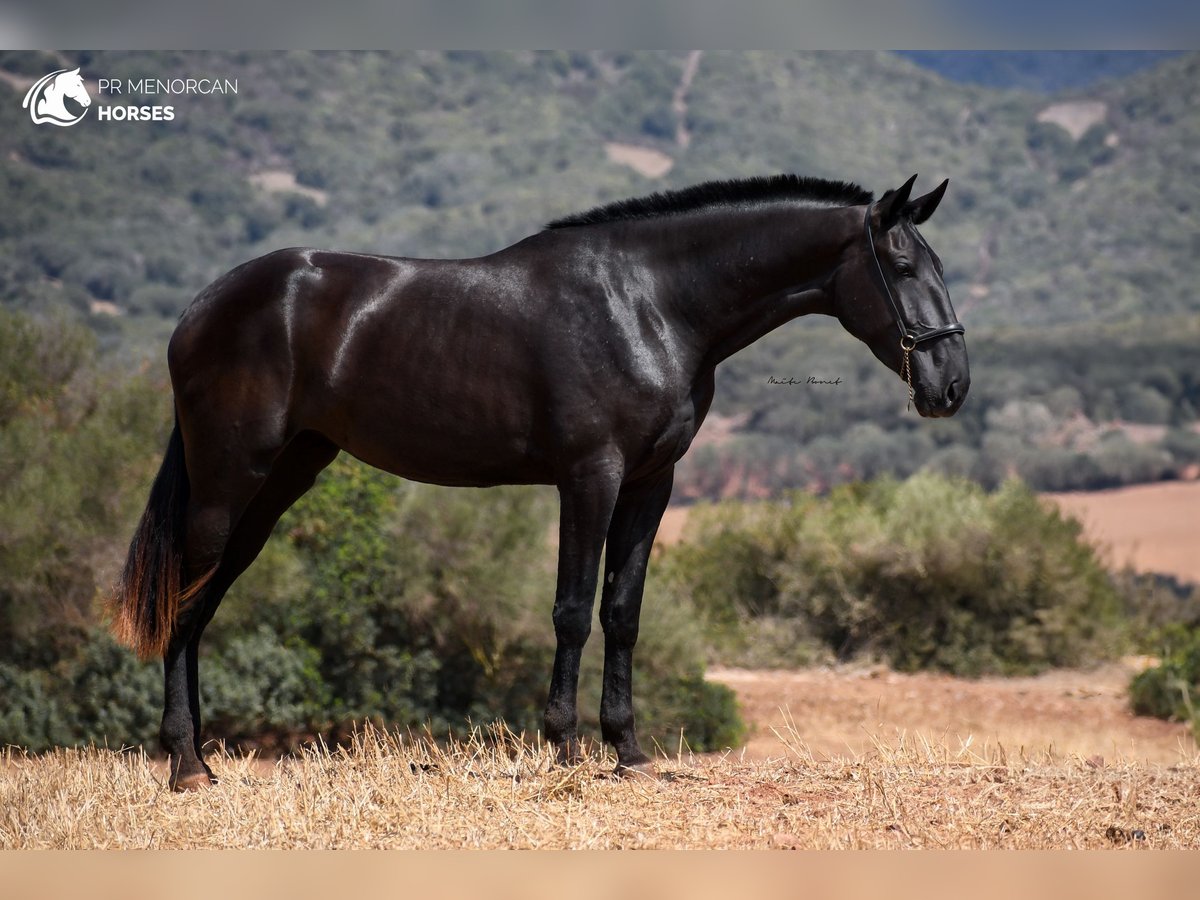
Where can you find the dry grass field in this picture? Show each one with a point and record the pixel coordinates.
(1151, 527)
(1070, 714)
(857, 760)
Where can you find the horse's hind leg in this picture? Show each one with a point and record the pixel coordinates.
(291, 474)
(210, 522)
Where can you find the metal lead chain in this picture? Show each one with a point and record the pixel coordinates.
(907, 344)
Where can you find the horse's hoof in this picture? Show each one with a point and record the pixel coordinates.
(198, 782)
(637, 770)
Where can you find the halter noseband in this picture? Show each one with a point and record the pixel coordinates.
(909, 337)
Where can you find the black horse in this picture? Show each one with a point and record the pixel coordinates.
(582, 357)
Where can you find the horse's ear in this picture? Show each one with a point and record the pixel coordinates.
(74, 71)
(922, 208)
(890, 207)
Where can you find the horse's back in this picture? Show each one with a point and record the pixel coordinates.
(254, 313)
(417, 366)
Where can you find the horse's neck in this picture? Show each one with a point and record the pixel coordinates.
(741, 274)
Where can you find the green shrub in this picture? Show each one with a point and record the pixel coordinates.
(1171, 690)
(703, 714)
(929, 573)
(31, 714)
(1184, 446)
(1154, 604)
(114, 699)
(256, 684)
(98, 694)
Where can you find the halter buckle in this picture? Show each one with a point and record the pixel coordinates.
(908, 343)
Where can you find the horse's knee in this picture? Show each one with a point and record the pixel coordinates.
(620, 629)
(572, 624)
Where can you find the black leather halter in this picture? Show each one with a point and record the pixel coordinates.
(909, 337)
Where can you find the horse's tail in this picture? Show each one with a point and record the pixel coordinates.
(150, 595)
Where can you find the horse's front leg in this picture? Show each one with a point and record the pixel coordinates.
(631, 534)
(586, 505)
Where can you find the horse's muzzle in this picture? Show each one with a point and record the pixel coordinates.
(947, 404)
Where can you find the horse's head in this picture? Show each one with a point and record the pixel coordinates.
(890, 295)
(70, 84)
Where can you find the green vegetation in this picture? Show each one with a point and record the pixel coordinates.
(74, 442)
(1047, 71)
(929, 573)
(1166, 614)
(1171, 690)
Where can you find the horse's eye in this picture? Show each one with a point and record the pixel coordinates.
(904, 270)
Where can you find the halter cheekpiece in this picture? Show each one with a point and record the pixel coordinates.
(909, 336)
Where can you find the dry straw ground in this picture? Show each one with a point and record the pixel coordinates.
(893, 786)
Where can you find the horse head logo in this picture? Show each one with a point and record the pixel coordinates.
(45, 99)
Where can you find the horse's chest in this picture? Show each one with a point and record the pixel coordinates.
(676, 438)
(670, 436)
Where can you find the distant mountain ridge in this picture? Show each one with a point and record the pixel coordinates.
(1045, 71)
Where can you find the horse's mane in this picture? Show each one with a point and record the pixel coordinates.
(761, 189)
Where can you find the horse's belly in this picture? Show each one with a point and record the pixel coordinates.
(442, 442)
(466, 465)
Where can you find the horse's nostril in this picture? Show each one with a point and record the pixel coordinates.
(952, 393)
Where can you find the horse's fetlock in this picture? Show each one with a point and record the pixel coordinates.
(561, 724)
(175, 736)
